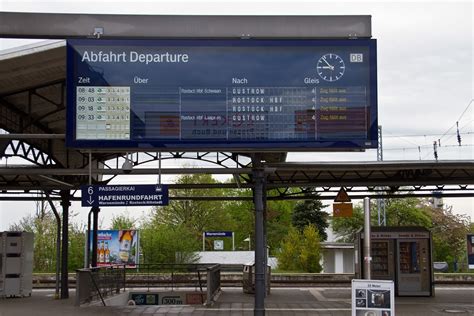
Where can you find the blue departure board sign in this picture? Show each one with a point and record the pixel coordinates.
(242, 95)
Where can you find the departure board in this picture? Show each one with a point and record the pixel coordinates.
(244, 95)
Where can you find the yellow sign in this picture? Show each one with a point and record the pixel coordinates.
(342, 210)
(342, 196)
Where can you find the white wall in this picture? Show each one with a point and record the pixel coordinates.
(231, 257)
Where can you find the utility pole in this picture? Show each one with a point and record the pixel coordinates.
(382, 220)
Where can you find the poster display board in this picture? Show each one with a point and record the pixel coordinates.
(373, 298)
(117, 247)
(470, 251)
(293, 95)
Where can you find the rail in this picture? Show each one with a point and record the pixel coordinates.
(100, 282)
(175, 276)
(171, 275)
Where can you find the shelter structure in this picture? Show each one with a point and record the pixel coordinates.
(33, 120)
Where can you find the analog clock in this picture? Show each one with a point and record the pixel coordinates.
(330, 67)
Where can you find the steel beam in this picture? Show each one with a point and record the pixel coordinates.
(360, 196)
(27, 170)
(61, 26)
(14, 136)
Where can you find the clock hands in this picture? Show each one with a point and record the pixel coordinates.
(328, 65)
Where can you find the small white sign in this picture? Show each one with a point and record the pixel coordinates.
(373, 298)
(218, 245)
(356, 58)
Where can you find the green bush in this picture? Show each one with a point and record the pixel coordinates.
(300, 251)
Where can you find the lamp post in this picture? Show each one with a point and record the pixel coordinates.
(248, 239)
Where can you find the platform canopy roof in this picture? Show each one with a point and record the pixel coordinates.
(33, 101)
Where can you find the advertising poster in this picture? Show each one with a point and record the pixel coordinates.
(470, 251)
(117, 247)
(373, 298)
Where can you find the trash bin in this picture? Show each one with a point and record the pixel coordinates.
(248, 278)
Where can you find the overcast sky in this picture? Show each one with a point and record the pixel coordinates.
(425, 73)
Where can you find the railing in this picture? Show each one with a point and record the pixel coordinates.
(175, 276)
(97, 283)
(171, 275)
(213, 282)
(100, 282)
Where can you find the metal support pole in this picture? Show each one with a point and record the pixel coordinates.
(382, 220)
(58, 242)
(258, 179)
(367, 256)
(233, 241)
(65, 203)
(95, 211)
(159, 168)
(265, 240)
(88, 241)
(90, 167)
(203, 241)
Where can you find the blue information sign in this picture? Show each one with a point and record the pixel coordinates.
(218, 234)
(124, 195)
(245, 95)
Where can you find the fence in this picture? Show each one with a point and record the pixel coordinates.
(97, 283)
(100, 282)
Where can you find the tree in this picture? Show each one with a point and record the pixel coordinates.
(123, 221)
(278, 221)
(300, 251)
(77, 240)
(310, 255)
(289, 251)
(167, 243)
(44, 247)
(399, 212)
(447, 229)
(43, 225)
(197, 216)
(346, 228)
(449, 233)
(242, 218)
(404, 212)
(311, 212)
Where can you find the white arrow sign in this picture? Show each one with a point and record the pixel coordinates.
(90, 200)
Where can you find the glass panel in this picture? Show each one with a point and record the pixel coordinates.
(379, 254)
(409, 256)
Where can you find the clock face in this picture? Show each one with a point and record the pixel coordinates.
(330, 67)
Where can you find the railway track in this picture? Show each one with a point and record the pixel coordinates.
(47, 280)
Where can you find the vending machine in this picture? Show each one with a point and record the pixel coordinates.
(401, 254)
(16, 263)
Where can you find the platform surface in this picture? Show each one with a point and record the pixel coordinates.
(282, 301)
